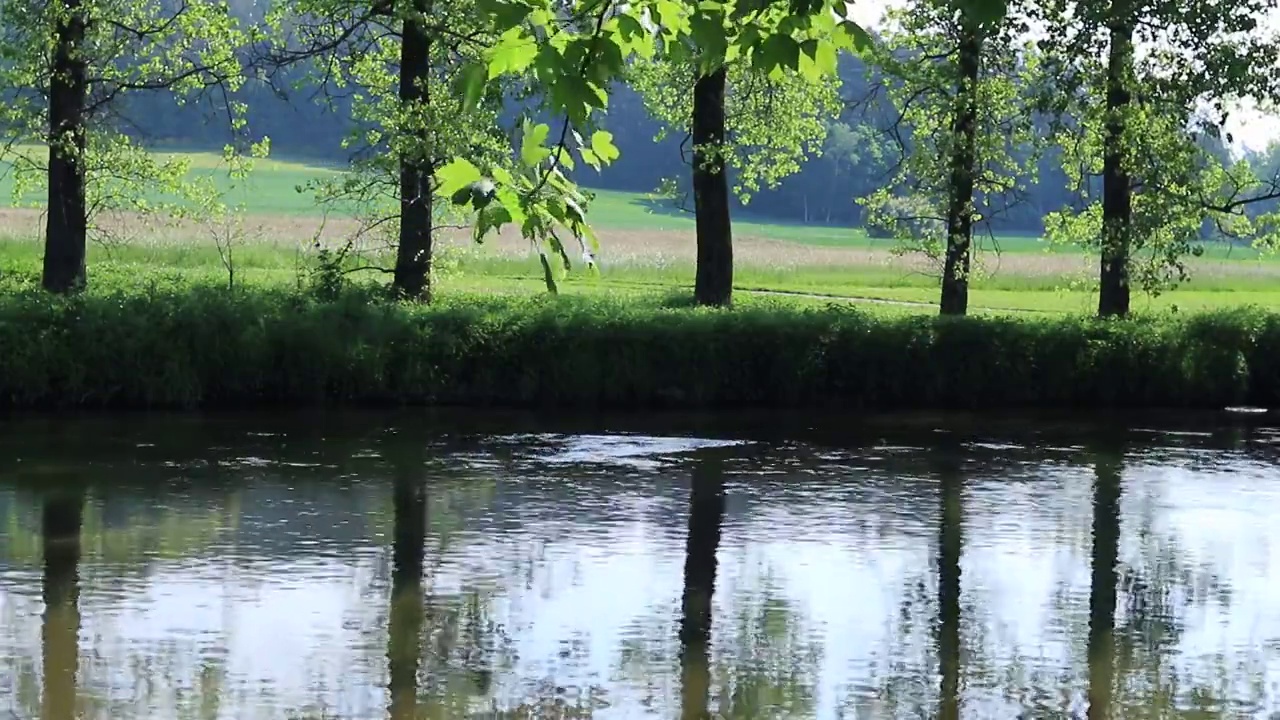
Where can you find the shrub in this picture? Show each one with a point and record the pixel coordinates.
(170, 344)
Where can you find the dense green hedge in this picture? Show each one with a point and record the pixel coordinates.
(185, 347)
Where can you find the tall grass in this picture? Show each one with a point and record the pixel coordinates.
(175, 341)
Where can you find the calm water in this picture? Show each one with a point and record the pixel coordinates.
(367, 566)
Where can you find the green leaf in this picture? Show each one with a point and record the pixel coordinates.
(602, 146)
(573, 212)
(513, 53)
(590, 235)
(491, 218)
(777, 51)
(511, 201)
(471, 81)
(860, 40)
(708, 34)
(548, 276)
(819, 59)
(532, 143)
(510, 13)
(456, 176)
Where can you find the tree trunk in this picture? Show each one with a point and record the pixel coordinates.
(713, 284)
(706, 516)
(1117, 188)
(412, 275)
(1104, 582)
(406, 619)
(964, 128)
(66, 223)
(60, 630)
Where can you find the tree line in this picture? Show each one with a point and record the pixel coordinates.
(1104, 117)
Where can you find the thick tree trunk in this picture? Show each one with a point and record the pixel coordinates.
(404, 626)
(1117, 188)
(60, 630)
(706, 517)
(66, 224)
(412, 276)
(964, 128)
(713, 284)
(1104, 583)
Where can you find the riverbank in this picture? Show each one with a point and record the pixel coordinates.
(184, 346)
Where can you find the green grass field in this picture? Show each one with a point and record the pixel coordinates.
(648, 247)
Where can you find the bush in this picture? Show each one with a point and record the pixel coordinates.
(173, 345)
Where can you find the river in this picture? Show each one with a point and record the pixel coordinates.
(444, 565)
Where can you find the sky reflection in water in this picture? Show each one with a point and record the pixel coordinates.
(244, 569)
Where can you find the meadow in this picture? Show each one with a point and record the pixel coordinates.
(647, 248)
(824, 317)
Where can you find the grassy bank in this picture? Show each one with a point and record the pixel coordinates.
(648, 247)
(184, 344)
(824, 317)
(276, 252)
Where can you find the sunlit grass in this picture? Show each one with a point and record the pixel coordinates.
(273, 189)
(647, 247)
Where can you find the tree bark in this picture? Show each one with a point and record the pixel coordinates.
(964, 128)
(412, 274)
(60, 631)
(66, 223)
(1117, 187)
(713, 284)
(1104, 583)
(706, 517)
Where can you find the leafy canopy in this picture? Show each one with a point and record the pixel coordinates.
(1191, 63)
(131, 46)
(574, 54)
(919, 62)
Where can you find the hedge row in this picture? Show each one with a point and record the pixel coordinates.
(189, 348)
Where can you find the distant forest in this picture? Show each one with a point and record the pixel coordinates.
(857, 159)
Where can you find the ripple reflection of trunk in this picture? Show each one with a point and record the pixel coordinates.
(950, 548)
(1104, 581)
(706, 517)
(404, 626)
(63, 515)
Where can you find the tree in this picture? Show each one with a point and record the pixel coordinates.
(567, 57)
(759, 124)
(953, 75)
(576, 62)
(66, 65)
(1171, 70)
(396, 64)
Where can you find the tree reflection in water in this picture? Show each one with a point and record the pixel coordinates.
(950, 548)
(440, 645)
(706, 519)
(404, 625)
(1103, 582)
(62, 518)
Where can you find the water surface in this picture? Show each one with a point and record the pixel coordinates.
(372, 566)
